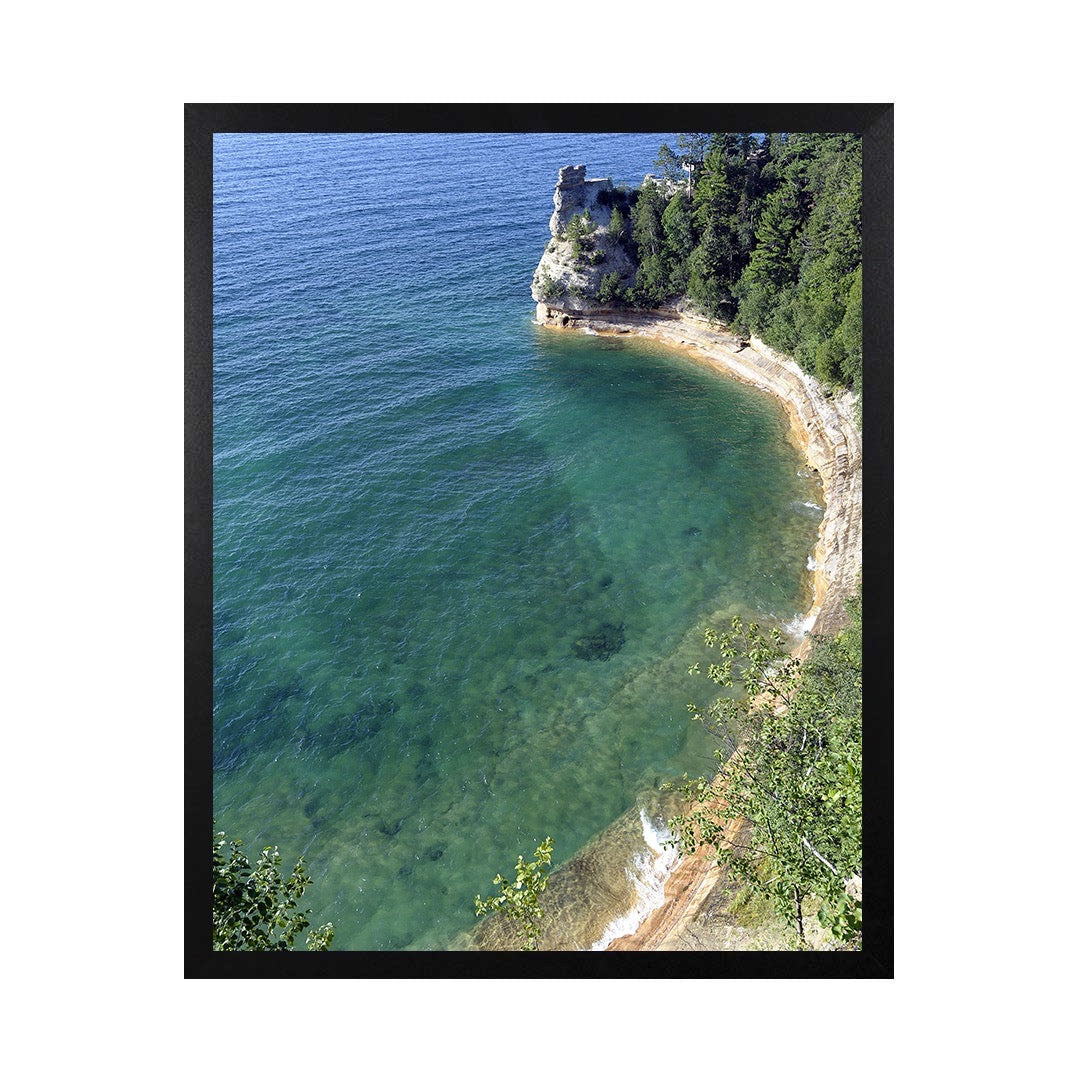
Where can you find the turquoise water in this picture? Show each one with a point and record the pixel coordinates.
(458, 558)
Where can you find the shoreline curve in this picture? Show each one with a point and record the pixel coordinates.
(824, 428)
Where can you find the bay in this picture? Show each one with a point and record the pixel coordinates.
(459, 559)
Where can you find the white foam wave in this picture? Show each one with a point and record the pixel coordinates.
(648, 873)
(590, 330)
(811, 563)
(801, 625)
(656, 834)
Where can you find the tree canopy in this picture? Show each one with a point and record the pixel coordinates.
(794, 776)
(764, 235)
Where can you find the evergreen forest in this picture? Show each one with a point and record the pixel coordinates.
(762, 233)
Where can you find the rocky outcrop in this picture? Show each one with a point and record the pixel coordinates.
(569, 276)
(574, 195)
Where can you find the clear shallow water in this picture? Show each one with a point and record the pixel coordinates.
(424, 505)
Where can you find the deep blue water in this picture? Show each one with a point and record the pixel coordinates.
(422, 501)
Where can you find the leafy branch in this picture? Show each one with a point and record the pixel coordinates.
(520, 899)
(257, 910)
(793, 772)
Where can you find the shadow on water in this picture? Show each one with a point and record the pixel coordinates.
(274, 720)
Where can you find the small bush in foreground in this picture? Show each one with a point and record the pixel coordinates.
(520, 899)
(256, 910)
(795, 775)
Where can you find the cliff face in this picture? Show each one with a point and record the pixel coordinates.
(825, 426)
(569, 283)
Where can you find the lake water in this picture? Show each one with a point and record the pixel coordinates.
(460, 560)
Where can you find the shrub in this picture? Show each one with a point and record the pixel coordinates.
(611, 289)
(617, 226)
(579, 231)
(519, 900)
(257, 910)
(549, 289)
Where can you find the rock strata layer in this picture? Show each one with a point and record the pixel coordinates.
(824, 427)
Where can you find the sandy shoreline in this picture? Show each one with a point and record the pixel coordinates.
(824, 428)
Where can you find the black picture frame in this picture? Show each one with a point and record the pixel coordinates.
(874, 123)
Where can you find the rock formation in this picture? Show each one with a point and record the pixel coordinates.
(567, 282)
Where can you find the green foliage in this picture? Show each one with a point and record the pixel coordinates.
(795, 775)
(667, 163)
(520, 899)
(713, 194)
(768, 239)
(772, 264)
(256, 910)
(646, 221)
(678, 240)
(797, 289)
(706, 273)
(579, 231)
(611, 289)
(549, 288)
(692, 145)
(650, 287)
(618, 198)
(617, 227)
(850, 337)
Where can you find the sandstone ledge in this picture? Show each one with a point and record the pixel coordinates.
(824, 427)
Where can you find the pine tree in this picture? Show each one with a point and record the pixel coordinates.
(651, 287)
(678, 240)
(772, 264)
(708, 266)
(617, 225)
(667, 163)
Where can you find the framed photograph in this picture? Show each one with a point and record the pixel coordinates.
(538, 541)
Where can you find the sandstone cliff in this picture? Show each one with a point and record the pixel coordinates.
(571, 282)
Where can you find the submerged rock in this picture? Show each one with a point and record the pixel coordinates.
(602, 643)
